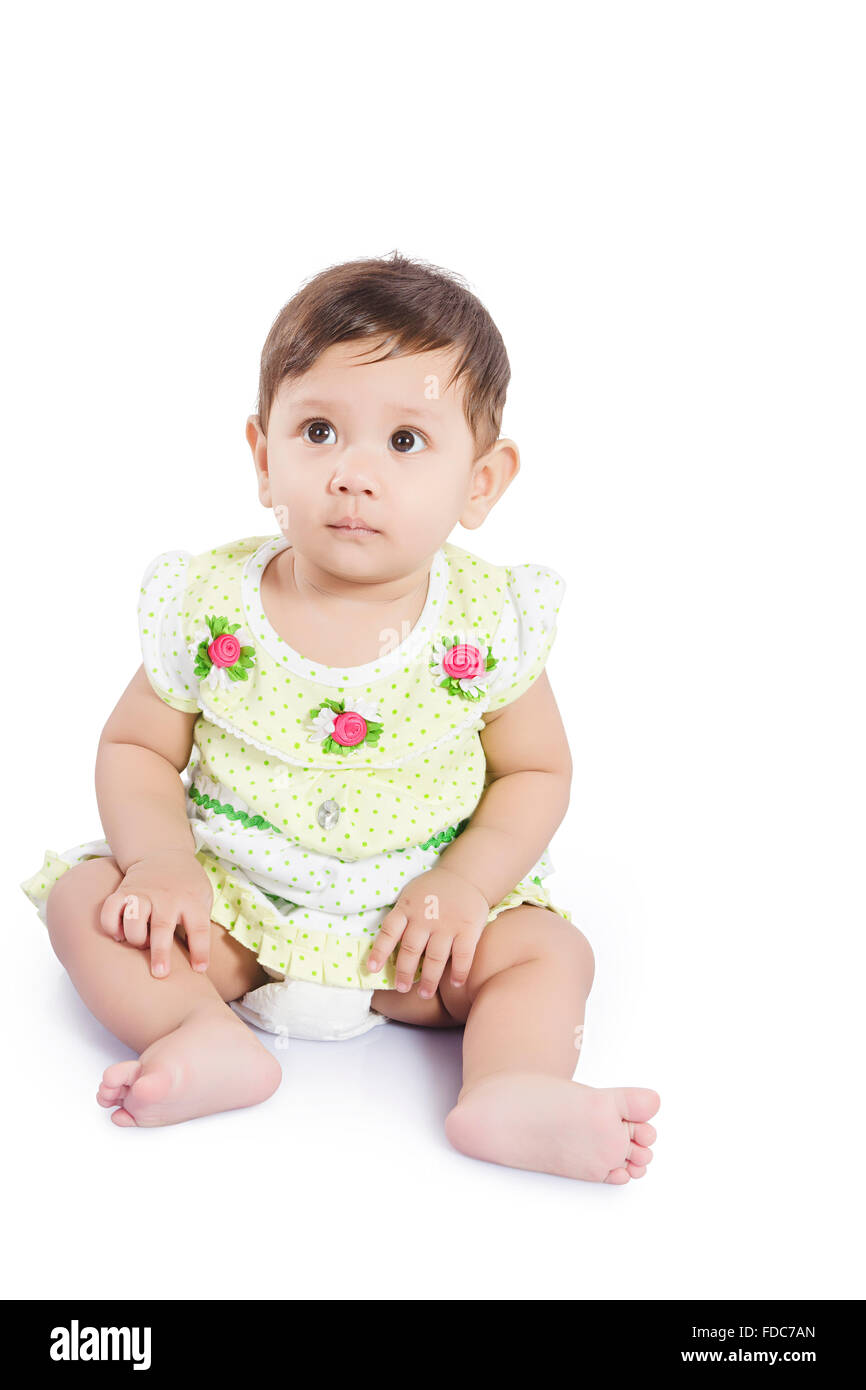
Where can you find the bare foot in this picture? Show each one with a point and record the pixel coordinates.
(529, 1120)
(211, 1062)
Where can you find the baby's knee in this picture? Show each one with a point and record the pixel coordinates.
(75, 900)
(571, 949)
(584, 952)
(270, 1077)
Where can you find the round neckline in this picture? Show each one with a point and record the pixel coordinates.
(265, 633)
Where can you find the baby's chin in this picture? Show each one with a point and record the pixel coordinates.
(377, 555)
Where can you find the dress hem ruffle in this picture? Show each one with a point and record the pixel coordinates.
(284, 947)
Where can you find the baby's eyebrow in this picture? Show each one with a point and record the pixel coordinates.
(325, 406)
(414, 410)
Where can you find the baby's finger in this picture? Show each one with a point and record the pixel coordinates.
(414, 940)
(462, 956)
(197, 928)
(111, 914)
(136, 911)
(391, 928)
(162, 925)
(435, 959)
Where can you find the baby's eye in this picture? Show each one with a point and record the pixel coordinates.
(318, 438)
(403, 444)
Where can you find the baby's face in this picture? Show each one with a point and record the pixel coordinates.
(383, 442)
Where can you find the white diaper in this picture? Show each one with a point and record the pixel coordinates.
(302, 1009)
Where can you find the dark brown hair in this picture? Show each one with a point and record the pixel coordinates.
(422, 307)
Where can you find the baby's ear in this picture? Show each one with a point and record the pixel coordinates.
(259, 448)
(254, 432)
(493, 473)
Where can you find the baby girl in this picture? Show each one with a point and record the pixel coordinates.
(328, 791)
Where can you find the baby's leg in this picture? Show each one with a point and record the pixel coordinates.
(197, 1056)
(523, 1006)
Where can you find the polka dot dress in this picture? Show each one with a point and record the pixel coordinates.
(315, 793)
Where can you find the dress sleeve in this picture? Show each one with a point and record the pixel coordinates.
(526, 630)
(164, 655)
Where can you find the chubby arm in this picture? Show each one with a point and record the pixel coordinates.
(529, 772)
(444, 911)
(144, 747)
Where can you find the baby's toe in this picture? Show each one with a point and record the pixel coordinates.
(639, 1155)
(108, 1095)
(144, 1102)
(154, 1086)
(617, 1176)
(638, 1102)
(644, 1134)
(122, 1117)
(120, 1074)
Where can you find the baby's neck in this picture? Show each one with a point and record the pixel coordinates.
(335, 624)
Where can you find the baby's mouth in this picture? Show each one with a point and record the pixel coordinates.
(353, 527)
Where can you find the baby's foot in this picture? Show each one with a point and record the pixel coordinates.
(211, 1062)
(529, 1120)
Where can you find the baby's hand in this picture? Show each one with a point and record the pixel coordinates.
(164, 889)
(442, 915)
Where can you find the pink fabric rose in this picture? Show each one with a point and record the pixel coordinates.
(463, 662)
(349, 728)
(224, 650)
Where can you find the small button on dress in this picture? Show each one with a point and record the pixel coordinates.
(328, 814)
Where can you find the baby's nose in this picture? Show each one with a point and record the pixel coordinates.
(358, 474)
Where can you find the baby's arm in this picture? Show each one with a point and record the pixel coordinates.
(143, 748)
(529, 778)
(529, 771)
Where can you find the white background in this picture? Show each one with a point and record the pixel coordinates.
(662, 205)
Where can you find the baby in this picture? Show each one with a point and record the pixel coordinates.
(327, 792)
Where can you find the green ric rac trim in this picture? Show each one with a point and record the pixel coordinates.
(210, 803)
(222, 808)
(445, 835)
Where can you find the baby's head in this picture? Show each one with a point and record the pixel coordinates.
(381, 392)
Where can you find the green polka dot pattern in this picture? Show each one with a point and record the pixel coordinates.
(262, 778)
